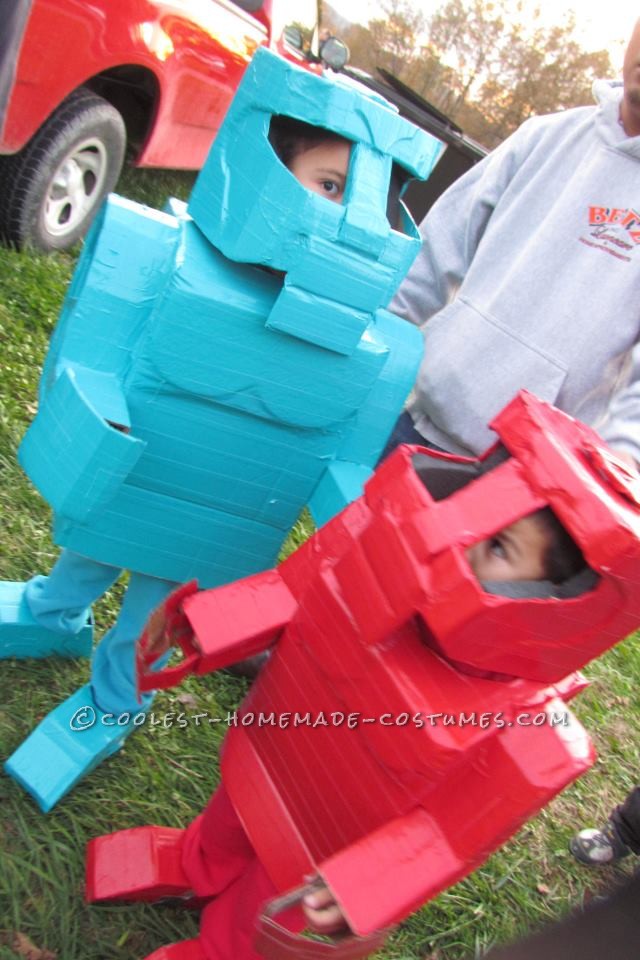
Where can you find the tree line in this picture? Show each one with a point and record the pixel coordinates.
(479, 61)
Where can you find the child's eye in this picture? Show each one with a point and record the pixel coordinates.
(497, 548)
(330, 187)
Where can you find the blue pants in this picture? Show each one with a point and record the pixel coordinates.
(61, 602)
(404, 432)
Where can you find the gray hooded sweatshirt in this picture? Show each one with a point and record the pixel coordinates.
(529, 276)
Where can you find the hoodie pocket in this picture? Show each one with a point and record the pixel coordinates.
(473, 366)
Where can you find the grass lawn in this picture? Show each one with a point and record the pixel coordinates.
(166, 772)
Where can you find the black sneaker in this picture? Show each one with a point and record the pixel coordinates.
(597, 848)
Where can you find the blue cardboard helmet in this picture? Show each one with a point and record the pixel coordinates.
(342, 261)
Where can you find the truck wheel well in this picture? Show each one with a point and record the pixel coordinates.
(135, 93)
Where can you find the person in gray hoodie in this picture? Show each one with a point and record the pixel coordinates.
(529, 276)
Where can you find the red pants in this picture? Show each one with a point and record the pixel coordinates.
(219, 861)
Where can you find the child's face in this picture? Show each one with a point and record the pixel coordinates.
(323, 168)
(515, 553)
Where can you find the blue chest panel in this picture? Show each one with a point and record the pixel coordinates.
(208, 338)
(229, 424)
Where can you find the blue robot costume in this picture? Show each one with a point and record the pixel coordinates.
(192, 401)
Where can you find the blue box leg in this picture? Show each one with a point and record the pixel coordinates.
(21, 636)
(72, 740)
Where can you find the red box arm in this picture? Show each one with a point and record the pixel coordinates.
(214, 628)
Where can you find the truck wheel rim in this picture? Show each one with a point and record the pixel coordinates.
(75, 187)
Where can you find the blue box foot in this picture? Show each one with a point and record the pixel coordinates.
(21, 636)
(72, 740)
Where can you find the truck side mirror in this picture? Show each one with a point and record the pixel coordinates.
(334, 53)
(293, 36)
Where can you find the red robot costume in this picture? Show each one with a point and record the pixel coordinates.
(378, 619)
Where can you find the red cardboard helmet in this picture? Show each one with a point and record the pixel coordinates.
(537, 631)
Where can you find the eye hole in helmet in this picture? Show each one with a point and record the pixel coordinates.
(318, 158)
(533, 557)
(443, 476)
(535, 549)
(396, 214)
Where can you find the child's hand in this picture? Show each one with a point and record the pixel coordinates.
(322, 912)
(156, 641)
(168, 625)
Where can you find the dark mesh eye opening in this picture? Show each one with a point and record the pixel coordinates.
(399, 179)
(444, 477)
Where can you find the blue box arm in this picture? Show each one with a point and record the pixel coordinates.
(344, 478)
(73, 456)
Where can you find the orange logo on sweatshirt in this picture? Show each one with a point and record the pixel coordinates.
(628, 219)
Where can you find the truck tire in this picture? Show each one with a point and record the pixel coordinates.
(51, 190)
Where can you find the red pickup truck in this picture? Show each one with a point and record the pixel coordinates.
(81, 81)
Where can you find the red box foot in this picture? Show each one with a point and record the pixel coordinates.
(144, 863)
(185, 950)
